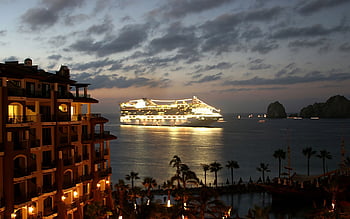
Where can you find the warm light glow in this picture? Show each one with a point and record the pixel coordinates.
(13, 215)
(98, 185)
(168, 204)
(120, 217)
(63, 197)
(31, 210)
(75, 193)
(107, 181)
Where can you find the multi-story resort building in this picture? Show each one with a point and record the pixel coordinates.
(54, 153)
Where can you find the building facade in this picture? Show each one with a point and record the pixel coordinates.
(54, 153)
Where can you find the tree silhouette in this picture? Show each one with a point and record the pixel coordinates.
(215, 167)
(263, 168)
(308, 153)
(232, 164)
(175, 162)
(148, 183)
(205, 167)
(324, 154)
(132, 176)
(280, 155)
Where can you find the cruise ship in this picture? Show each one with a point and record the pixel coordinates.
(182, 112)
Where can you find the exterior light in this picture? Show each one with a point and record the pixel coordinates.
(168, 204)
(75, 193)
(107, 181)
(63, 197)
(13, 215)
(31, 210)
(120, 217)
(98, 185)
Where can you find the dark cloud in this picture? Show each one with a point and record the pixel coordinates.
(310, 31)
(181, 8)
(288, 70)
(257, 64)
(345, 47)
(314, 76)
(48, 13)
(220, 66)
(177, 37)
(223, 33)
(105, 27)
(11, 58)
(58, 40)
(304, 43)
(130, 37)
(3, 32)
(251, 33)
(116, 81)
(75, 19)
(206, 78)
(54, 57)
(264, 46)
(309, 7)
(93, 65)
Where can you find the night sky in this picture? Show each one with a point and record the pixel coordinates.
(237, 55)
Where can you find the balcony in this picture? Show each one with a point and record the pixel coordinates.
(86, 156)
(68, 161)
(47, 188)
(50, 210)
(86, 177)
(35, 143)
(48, 165)
(14, 119)
(21, 172)
(105, 172)
(20, 92)
(19, 144)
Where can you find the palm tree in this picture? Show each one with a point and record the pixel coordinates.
(175, 162)
(324, 154)
(205, 169)
(263, 168)
(215, 167)
(148, 183)
(280, 155)
(188, 176)
(232, 164)
(308, 153)
(132, 176)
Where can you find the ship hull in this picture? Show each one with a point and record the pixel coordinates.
(194, 121)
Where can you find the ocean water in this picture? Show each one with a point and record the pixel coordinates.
(148, 150)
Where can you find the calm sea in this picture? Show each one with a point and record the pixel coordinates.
(148, 150)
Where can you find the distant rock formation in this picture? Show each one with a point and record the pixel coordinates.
(335, 107)
(276, 110)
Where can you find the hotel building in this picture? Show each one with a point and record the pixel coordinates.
(54, 152)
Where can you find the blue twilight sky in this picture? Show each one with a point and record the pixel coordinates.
(238, 55)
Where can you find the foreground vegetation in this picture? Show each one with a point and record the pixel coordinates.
(190, 197)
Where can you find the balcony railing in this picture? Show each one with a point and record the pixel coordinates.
(48, 165)
(104, 172)
(14, 119)
(20, 92)
(21, 172)
(35, 143)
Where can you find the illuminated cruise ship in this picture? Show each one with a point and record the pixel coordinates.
(183, 112)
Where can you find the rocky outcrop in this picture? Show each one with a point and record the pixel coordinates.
(276, 110)
(335, 107)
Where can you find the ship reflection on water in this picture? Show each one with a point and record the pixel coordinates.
(149, 149)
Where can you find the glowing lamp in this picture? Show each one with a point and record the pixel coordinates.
(31, 210)
(75, 193)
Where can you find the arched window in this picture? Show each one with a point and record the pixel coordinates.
(15, 113)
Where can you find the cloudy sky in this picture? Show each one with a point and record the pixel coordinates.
(238, 55)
